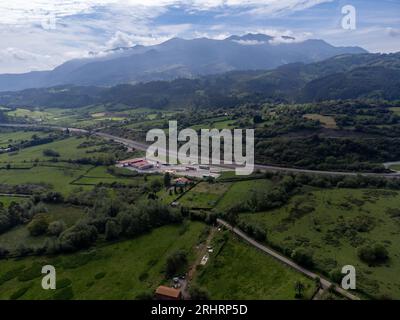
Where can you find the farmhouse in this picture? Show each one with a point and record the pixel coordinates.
(167, 293)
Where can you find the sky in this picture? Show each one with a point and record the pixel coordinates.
(42, 34)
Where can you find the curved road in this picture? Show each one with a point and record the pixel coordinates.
(143, 147)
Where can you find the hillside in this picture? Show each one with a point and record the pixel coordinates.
(177, 58)
(342, 77)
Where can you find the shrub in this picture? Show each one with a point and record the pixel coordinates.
(64, 294)
(78, 237)
(10, 275)
(38, 226)
(197, 293)
(100, 275)
(63, 283)
(176, 262)
(31, 273)
(19, 293)
(113, 230)
(303, 257)
(373, 255)
(50, 153)
(55, 228)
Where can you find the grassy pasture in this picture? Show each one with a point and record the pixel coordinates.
(117, 271)
(59, 178)
(10, 137)
(238, 271)
(204, 195)
(327, 223)
(32, 115)
(241, 191)
(67, 148)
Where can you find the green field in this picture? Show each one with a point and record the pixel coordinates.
(331, 224)
(100, 175)
(239, 271)
(117, 271)
(6, 200)
(204, 195)
(241, 191)
(215, 124)
(9, 137)
(59, 178)
(32, 115)
(67, 148)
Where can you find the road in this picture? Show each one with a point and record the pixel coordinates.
(143, 147)
(326, 284)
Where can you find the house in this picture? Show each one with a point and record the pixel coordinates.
(139, 164)
(167, 293)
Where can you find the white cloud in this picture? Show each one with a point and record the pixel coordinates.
(84, 26)
(19, 12)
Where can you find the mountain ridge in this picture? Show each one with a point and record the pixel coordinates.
(177, 58)
(360, 76)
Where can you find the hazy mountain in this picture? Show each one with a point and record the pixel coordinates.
(178, 58)
(341, 77)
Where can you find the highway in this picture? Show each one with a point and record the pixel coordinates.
(143, 147)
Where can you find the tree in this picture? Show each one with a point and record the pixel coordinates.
(56, 228)
(53, 197)
(38, 226)
(113, 230)
(303, 257)
(257, 119)
(78, 237)
(299, 289)
(175, 262)
(167, 180)
(373, 255)
(50, 153)
(156, 185)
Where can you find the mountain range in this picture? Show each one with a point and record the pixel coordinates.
(348, 76)
(178, 58)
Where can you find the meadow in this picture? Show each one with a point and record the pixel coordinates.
(58, 178)
(122, 270)
(237, 271)
(204, 195)
(332, 224)
(67, 148)
(12, 137)
(241, 191)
